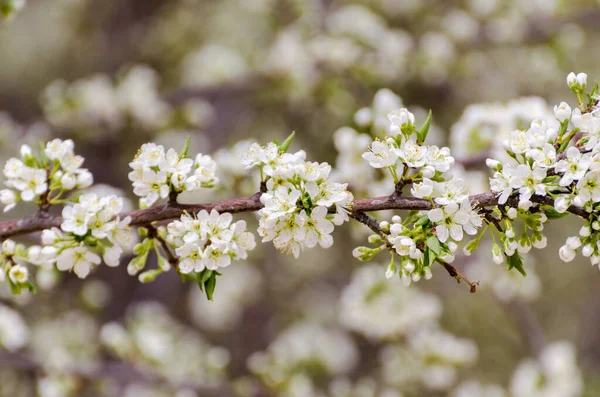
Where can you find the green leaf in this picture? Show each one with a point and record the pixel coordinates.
(429, 257)
(422, 134)
(186, 147)
(288, 141)
(592, 95)
(551, 179)
(30, 286)
(204, 275)
(210, 285)
(434, 244)
(516, 262)
(43, 158)
(422, 221)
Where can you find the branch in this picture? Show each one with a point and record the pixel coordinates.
(453, 272)
(145, 217)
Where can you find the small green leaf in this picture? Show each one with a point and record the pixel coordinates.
(429, 257)
(551, 179)
(288, 141)
(434, 244)
(516, 262)
(592, 95)
(422, 221)
(30, 286)
(43, 158)
(422, 134)
(210, 285)
(186, 147)
(204, 275)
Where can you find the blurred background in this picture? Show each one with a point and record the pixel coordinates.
(112, 75)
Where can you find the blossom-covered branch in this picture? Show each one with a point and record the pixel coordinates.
(543, 172)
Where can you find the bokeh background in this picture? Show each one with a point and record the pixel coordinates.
(112, 75)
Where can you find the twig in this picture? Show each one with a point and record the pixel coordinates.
(153, 233)
(453, 272)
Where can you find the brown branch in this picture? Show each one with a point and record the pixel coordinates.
(36, 223)
(153, 233)
(453, 272)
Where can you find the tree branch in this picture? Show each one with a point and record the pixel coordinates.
(36, 223)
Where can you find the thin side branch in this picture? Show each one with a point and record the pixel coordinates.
(453, 272)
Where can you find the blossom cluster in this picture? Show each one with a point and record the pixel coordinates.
(209, 241)
(555, 372)
(432, 358)
(379, 309)
(151, 338)
(420, 239)
(44, 179)
(304, 349)
(298, 199)
(158, 173)
(91, 231)
(559, 159)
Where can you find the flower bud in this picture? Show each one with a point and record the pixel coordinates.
(428, 274)
(149, 275)
(497, 255)
(587, 250)
(566, 254)
(538, 240)
(391, 269)
(364, 253)
(585, 231)
(428, 171)
(375, 239)
(9, 247)
(562, 112)
(493, 164)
